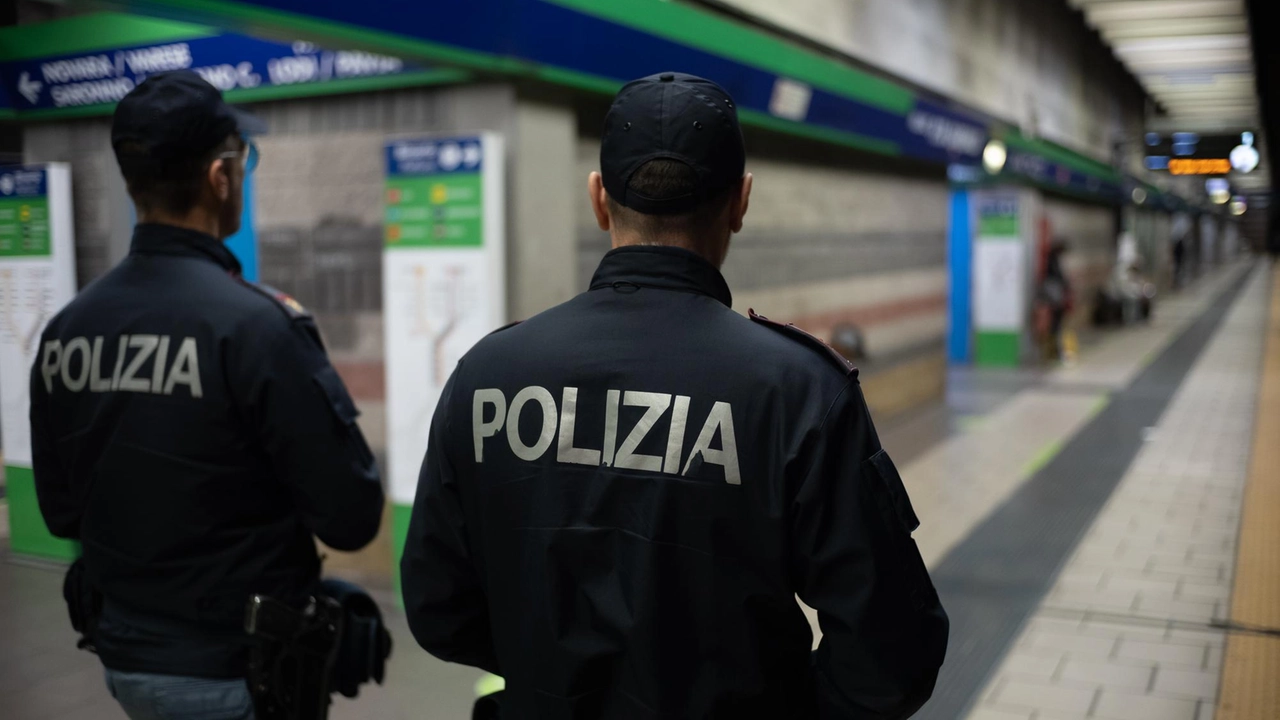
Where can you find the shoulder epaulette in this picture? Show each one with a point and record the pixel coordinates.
(508, 326)
(795, 333)
(292, 308)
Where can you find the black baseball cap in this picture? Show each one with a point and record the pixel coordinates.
(178, 116)
(673, 116)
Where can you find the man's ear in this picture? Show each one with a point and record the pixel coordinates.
(740, 204)
(599, 201)
(218, 179)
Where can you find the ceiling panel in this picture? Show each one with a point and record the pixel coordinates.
(1193, 56)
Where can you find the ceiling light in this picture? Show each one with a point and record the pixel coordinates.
(994, 156)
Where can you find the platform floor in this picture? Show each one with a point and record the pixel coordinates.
(1081, 525)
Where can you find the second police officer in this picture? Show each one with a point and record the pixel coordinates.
(187, 427)
(623, 496)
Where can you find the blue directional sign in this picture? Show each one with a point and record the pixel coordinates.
(228, 62)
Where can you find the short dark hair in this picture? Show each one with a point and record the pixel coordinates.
(174, 186)
(665, 178)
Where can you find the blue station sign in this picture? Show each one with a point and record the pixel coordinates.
(228, 61)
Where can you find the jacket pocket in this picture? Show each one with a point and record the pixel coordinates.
(336, 393)
(900, 520)
(344, 408)
(899, 504)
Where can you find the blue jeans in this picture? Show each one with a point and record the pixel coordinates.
(169, 697)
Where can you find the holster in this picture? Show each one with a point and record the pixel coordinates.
(365, 644)
(292, 660)
(84, 604)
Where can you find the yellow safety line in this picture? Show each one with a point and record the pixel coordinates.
(1251, 665)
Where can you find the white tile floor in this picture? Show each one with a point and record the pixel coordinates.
(960, 482)
(1124, 634)
(1116, 362)
(956, 484)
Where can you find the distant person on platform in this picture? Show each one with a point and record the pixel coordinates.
(623, 496)
(187, 427)
(1057, 294)
(1181, 234)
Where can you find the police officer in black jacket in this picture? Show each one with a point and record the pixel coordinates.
(187, 427)
(623, 496)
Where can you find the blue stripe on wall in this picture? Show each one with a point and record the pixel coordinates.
(960, 260)
(244, 244)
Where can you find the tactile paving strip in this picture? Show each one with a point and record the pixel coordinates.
(1251, 666)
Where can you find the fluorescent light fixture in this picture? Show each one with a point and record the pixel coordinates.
(994, 156)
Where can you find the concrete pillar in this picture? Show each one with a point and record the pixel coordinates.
(103, 212)
(542, 249)
(542, 188)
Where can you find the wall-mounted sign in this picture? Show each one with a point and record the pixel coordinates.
(1045, 172)
(1199, 166)
(37, 277)
(444, 283)
(947, 131)
(229, 62)
(999, 280)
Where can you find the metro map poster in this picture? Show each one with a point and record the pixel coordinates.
(37, 277)
(444, 284)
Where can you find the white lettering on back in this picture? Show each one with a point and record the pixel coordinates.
(490, 413)
(186, 369)
(481, 428)
(132, 376)
(548, 433)
(566, 452)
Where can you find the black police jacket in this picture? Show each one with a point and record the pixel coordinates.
(188, 429)
(623, 496)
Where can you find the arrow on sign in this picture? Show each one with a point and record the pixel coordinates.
(29, 88)
(471, 155)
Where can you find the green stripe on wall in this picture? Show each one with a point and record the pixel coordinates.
(28, 535)
(697, 28)
(861, 142)
(98, 31)
(287, 27)
(683, 24)
(1070, 158)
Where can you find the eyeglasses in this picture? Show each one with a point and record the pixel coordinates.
(249, 153)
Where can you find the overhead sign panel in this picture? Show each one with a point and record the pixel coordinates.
(228, 62)
(1199, 166)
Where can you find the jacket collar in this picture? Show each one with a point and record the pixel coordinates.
(155, 239)
(661, 267)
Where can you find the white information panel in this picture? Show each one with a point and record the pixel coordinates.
(444, 282)
(37, 277)
(999, 267)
